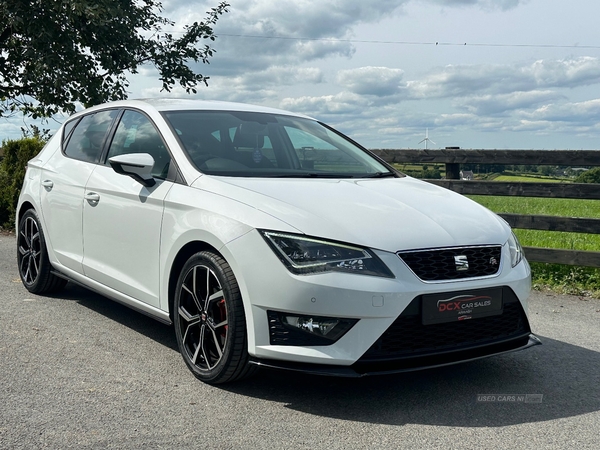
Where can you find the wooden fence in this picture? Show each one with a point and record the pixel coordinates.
(453, 158)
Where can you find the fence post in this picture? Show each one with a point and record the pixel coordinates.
(452, 171)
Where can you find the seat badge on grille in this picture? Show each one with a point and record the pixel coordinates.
(461, 263)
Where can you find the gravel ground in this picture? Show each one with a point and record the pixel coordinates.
(80, 371)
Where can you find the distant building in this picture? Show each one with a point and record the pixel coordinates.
(466, 175)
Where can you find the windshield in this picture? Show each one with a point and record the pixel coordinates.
(248, 144)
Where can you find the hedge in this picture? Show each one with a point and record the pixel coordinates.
(16, 153)
(589, 176)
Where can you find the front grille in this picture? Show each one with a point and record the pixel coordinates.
(407, 337)
(441, 264)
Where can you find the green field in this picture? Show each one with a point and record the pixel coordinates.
(565, 207)
(549, 207)
(566, 279)
(529, 179)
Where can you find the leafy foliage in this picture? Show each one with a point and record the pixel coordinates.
(12, 172)
(589, 176)
(54, 53)
(425, 173)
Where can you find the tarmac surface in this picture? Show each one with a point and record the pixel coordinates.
(80, 371)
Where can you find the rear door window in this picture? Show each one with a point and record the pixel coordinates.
(89, 136)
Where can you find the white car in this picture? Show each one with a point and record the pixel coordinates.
(268, 239)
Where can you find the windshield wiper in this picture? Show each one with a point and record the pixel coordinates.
(380, 175)
(311, 175)
(330, 175)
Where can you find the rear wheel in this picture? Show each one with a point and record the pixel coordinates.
(209, 319)
(32, 257)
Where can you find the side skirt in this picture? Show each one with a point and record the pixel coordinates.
(136, 305)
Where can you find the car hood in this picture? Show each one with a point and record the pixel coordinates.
(387, 213)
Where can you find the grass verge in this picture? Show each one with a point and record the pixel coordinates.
(574, 280)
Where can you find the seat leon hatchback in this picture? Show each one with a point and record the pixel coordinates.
(267, 238)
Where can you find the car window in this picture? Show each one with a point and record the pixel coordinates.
(68, 128)
(253, 149)
(137, 134)
(89, 135)
(320, 154)
(235, 143)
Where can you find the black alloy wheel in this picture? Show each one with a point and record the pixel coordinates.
(32, 257)
(209, 319)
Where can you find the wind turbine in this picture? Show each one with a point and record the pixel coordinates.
(427, 140)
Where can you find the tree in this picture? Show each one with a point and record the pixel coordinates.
(547, 170)
(55, 53)
(589, 176)
(12, 172)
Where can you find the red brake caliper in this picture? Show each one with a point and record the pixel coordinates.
(223, 311)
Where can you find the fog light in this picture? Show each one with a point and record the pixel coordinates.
(295, 329)
(319, 330)
(319, 326)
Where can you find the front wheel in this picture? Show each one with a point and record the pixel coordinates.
(32, 257)
(209, 319)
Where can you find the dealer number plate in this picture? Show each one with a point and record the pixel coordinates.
(461, 305)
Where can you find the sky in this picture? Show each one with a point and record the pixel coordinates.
(506, 74)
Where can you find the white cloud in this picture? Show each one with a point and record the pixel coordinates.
(486, 4)
(279, 76)
(461, 80)
(445, 120)
(306, 18)
(570, 73)
(314, 57)
(342, 103)
(9, 128)
(259, 33)
(506, 103)
(586, 113)
(303, 56)
(378, 81)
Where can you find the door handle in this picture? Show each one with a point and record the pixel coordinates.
(48, 184)
(92, 197)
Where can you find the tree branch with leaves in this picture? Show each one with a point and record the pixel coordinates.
(57, 53)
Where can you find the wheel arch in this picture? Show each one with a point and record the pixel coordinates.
(25, 206)
(182, 256)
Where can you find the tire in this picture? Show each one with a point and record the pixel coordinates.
(209, 320)
(32, 257)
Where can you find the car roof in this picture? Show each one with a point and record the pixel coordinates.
(179, 104)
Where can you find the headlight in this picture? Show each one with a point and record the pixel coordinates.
(516, 251)
(306, 255)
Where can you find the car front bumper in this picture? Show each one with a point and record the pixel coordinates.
(388, 312)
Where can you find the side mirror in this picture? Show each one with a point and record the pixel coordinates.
(137, 165)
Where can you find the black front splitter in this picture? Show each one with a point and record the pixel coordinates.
(367, 368)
